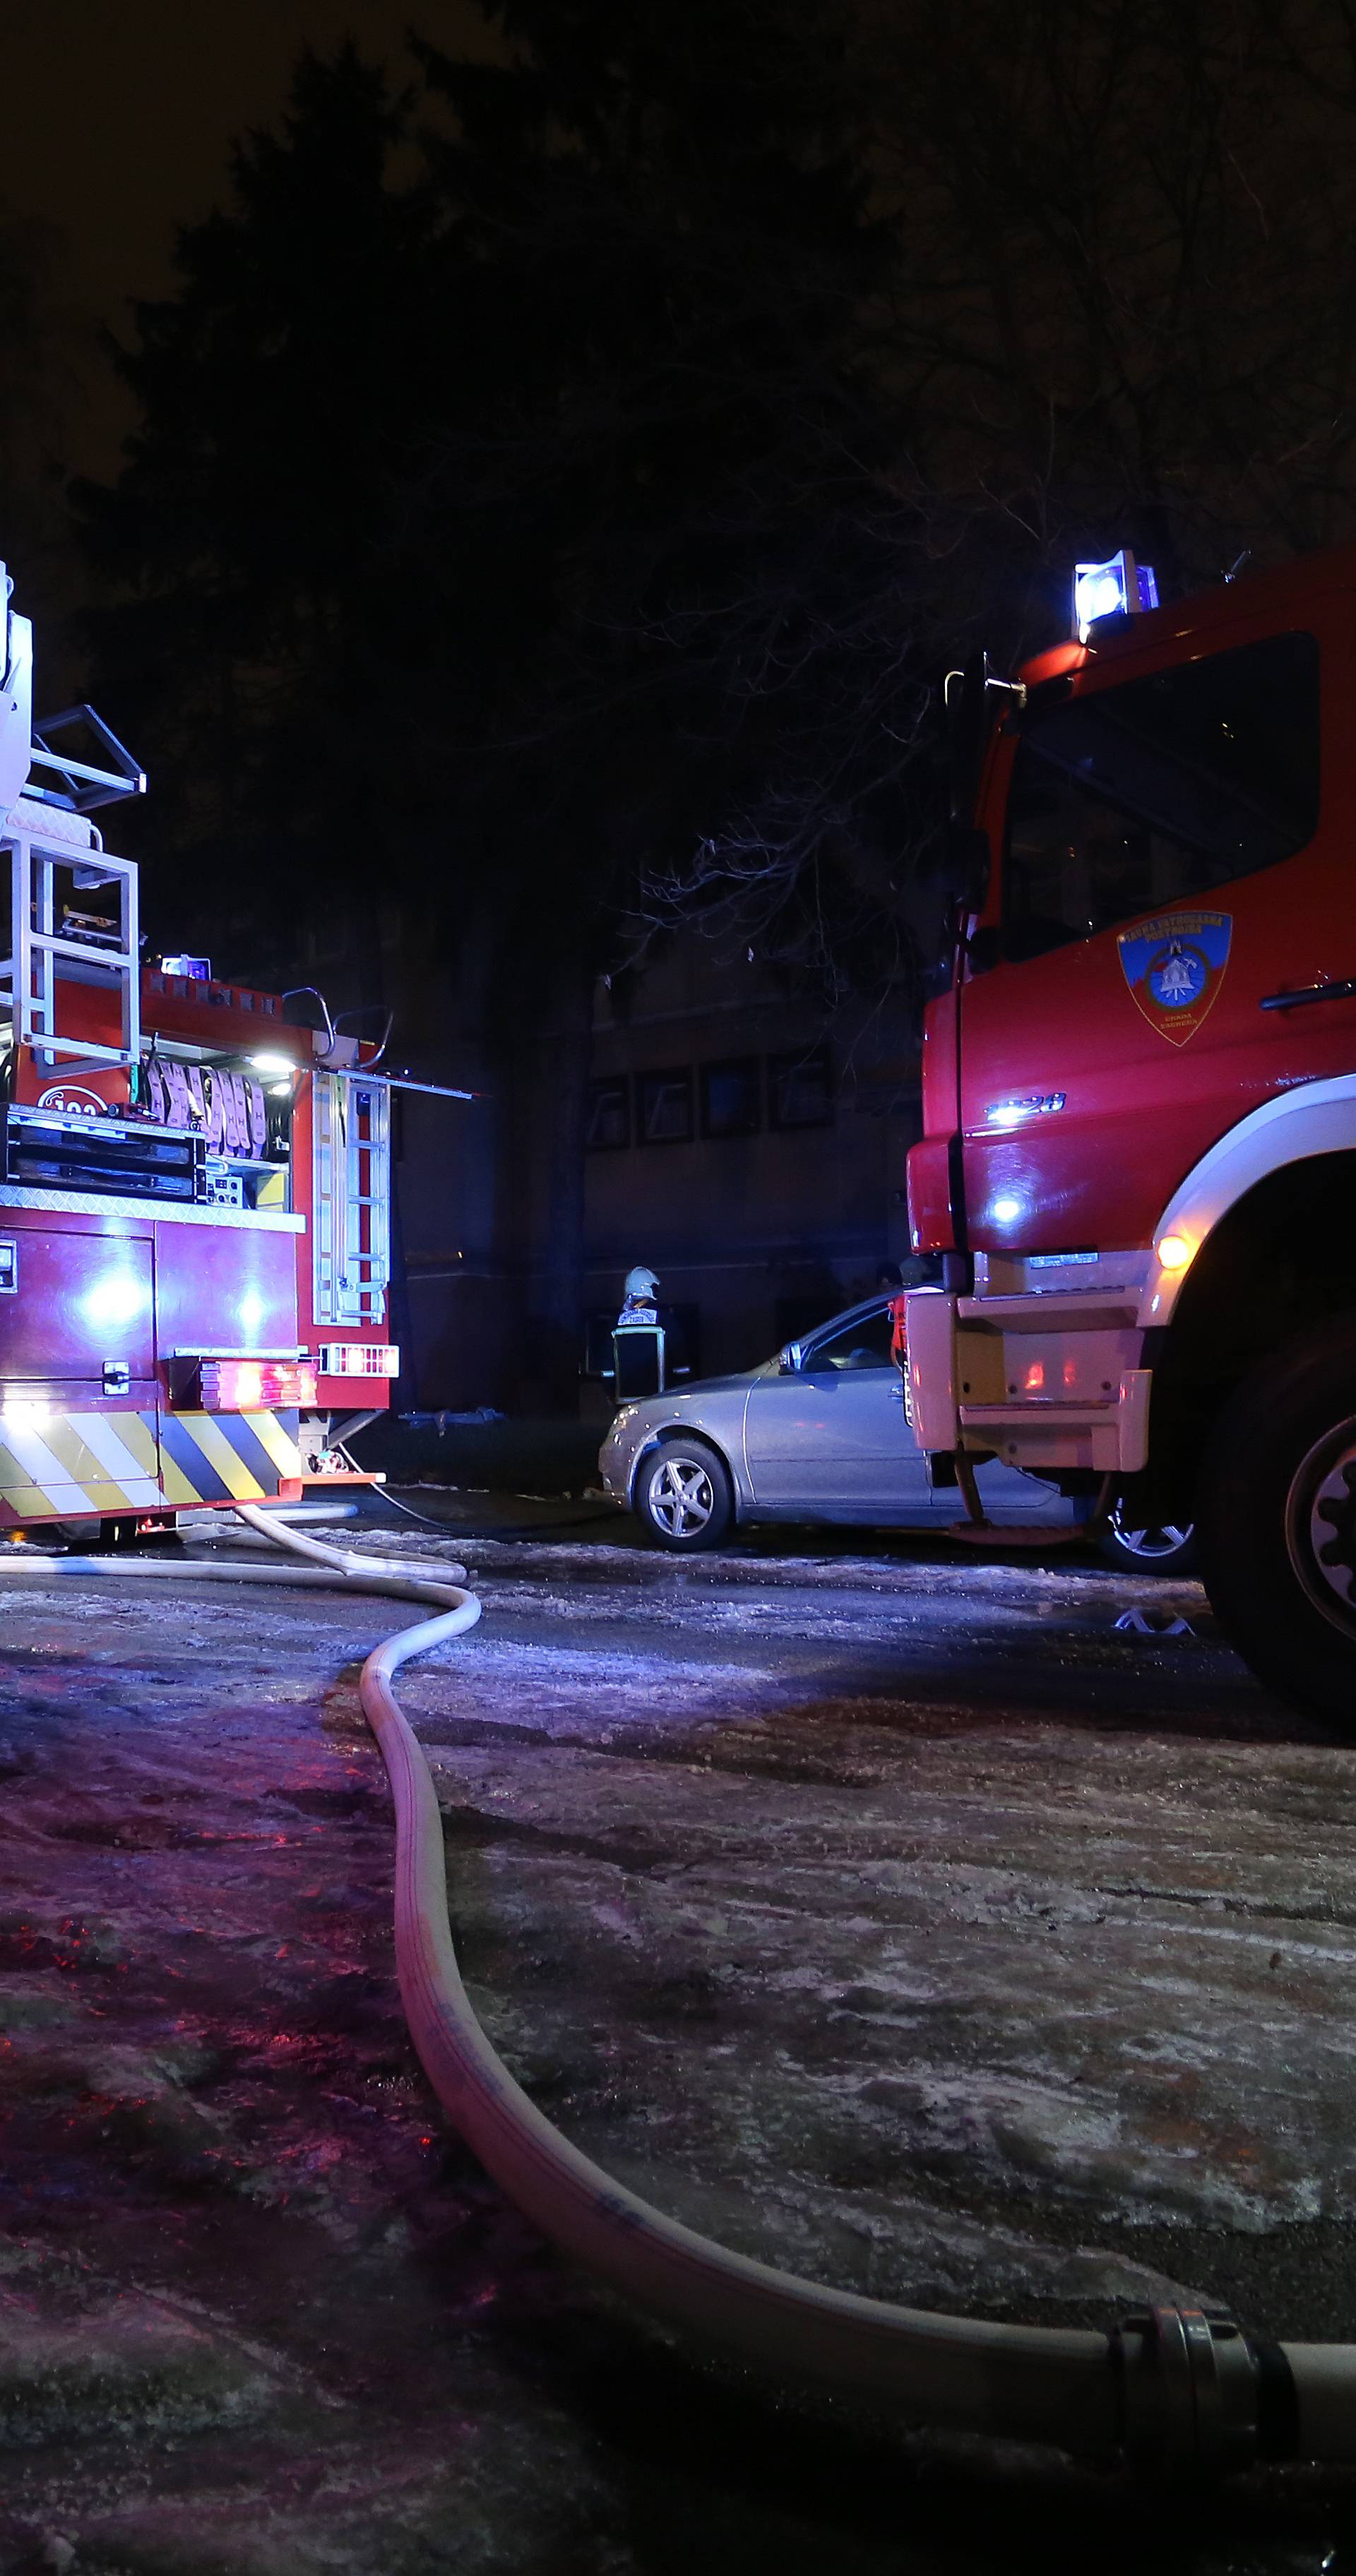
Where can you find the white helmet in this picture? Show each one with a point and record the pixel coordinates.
(641, 1282)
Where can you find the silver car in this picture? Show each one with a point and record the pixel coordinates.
(818, 1434)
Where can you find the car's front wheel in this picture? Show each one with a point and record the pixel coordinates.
(1154, 1547)
(684, 1496)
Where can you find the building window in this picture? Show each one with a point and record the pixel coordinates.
(664, 1106)
(609, 1114)
(732, 1097)
(800, 1091)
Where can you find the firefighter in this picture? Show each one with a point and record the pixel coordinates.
(638, 1304)
(891, 1277)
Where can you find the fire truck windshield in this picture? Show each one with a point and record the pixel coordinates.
(1136, 795)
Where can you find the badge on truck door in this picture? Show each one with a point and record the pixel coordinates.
(1174, 966)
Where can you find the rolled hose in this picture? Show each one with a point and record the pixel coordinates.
(1178, 2391)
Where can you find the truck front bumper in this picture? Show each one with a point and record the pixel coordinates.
(1042, 1381)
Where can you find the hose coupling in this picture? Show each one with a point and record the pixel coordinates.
(1200, 2399)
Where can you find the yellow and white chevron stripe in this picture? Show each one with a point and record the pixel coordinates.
(66, 1466)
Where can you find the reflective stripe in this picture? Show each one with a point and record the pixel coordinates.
(250, 1449)
(280, 1445)
(209, 1432)
(90, 1449)
(22, 1500)
(178, 1486)
(79, 1466)
(34, 1457)
(137, 1432)
(199, 1482)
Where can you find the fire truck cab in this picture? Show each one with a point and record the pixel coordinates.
(194, 1194)
(1139, 1092)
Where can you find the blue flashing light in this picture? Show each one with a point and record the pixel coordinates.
(195, 970)
(1119, 588)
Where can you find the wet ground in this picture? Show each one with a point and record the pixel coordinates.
(977, 1936)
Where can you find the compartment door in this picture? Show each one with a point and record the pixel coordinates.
(78, 1392)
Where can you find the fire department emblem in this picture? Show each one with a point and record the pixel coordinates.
(1174, 967)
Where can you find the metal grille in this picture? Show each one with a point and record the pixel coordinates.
(352, 1230)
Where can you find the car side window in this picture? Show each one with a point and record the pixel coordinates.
(862, 1344)
(1136, 796)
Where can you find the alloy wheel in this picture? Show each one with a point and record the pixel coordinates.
(1157, 1539)
(681, 1497)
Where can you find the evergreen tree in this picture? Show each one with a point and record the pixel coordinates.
(477, 420)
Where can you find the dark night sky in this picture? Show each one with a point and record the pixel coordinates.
(126, 118)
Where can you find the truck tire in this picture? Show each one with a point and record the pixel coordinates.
(1276, 1521)
(683, 1496)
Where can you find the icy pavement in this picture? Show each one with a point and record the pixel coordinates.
(905, 1921)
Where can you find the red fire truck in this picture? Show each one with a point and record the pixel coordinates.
(194, 1201)
(1139, 1092)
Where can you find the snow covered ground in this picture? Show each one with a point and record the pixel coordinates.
(976, 1935)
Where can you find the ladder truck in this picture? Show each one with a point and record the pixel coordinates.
(1138, 1156)
(195, 1185)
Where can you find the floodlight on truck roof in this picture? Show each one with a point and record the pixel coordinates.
(1120, 587)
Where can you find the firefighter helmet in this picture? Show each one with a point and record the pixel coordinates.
(641, 1282)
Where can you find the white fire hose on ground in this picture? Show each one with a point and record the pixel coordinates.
(1179, 2392)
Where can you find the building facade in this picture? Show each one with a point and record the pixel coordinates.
(748, 1145)
(744, 1142)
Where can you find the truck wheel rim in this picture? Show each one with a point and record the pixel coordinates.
(1161, 1538)
(1321, 1525)
(682, 1498)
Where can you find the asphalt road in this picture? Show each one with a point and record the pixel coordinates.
(977, 1936)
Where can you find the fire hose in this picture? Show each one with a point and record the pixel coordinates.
(1180, 2392)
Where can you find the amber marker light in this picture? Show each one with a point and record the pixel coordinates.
(1174, 1252)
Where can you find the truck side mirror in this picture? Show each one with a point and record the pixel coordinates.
(790, 1360)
